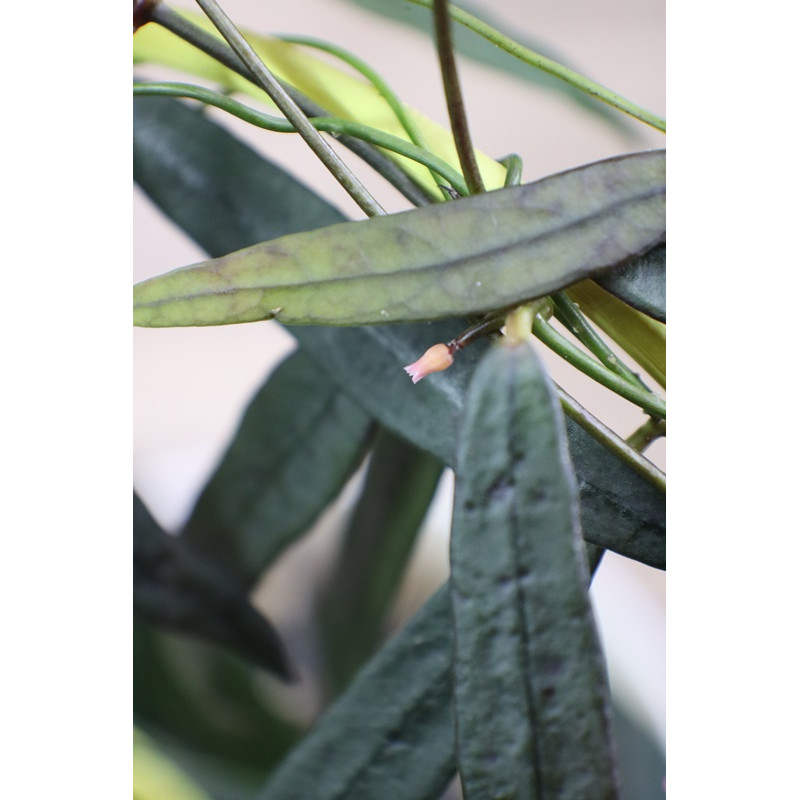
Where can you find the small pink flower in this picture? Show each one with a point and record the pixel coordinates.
(435, 359)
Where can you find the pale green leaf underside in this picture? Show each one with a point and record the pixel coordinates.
(464, 257)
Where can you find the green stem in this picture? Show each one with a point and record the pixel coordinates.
(384, 90)
(569, 352)
(612, 441)
(455, 101)
(551, 67)
(331, 125)
(644, 436)
(513, 164)
(569, 315)
(267, 81)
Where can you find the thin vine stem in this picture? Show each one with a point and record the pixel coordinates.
(569, 315)
(381, 86)
(645, 435)
(219, 50)
(648, 401)
(455, 100)
(332, 125)
(540, 62)
(267, 81)
(611, 440)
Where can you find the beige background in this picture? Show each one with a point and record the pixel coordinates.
(191, 385)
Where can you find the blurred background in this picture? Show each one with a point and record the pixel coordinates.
(191, 385)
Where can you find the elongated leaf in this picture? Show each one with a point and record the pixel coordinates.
(391, 733)
(533, 714)
(165, 138)
(299, 441)
(400, 484)
(619, 509)
(176, 587)
(474, 255)
(642, 283)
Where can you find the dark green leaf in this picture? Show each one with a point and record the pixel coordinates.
(173, 139)
(299, 441)
(390, 735)
(177, 588)
(208, 700)
(533, 715)
(399, 486)
(475, 47)
(619, 509)
(642, 283)
(447, 259)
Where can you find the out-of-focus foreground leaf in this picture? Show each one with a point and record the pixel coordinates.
(619, 509)
(156, 777)
(180, 589)
(352, 605)
(642, 283)
(447, 259)
(212, 703)
(299, 441)
(532, 707)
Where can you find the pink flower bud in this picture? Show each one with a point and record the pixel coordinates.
(435, 359)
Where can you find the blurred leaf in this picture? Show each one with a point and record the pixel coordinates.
(208, 700)
(175, 139)
(178, 588)
(299, 441)
(156, 777)
(470, 44)
(339, 92)
(447, 259)
(390, 735)
(619, 510)
(532, 707)
(642, 283)
(352, 606)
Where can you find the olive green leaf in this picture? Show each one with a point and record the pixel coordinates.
(532, 708)
(449, 259)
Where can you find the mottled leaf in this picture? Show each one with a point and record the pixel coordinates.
(642, 283)
(447, 259)
(532, 708)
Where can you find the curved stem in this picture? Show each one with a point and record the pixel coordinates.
(551, 67)
(384, 90)
(644, 436)
(332, 125)
(222, 52)
(455, 102)
(651, 403)
(267, 81)
(513, 164)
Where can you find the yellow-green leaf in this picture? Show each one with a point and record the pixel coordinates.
(474, 255)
